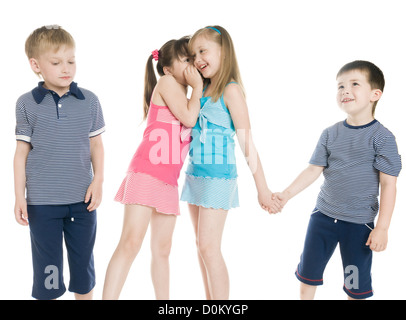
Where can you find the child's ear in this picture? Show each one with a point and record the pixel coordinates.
(34, 65)
(167, 71)
(376, 94)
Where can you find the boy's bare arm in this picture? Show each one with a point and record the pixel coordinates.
(378, 238)
(303, 180)
(20, 160)
(94, 192)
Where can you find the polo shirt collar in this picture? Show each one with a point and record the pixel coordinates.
(40, 92)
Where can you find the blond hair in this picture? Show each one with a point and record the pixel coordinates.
(229, 70)
(47, 38)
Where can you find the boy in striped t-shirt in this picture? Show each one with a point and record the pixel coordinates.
(356, 156)
(58, 166)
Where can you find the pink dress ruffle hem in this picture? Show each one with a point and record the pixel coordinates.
(141, 188)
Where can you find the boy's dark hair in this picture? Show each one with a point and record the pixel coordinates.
(373, 74)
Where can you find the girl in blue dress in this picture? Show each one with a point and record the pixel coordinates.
(210, 185)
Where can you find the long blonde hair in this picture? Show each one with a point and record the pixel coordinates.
(229, 69)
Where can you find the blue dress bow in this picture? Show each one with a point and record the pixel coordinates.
(213, 112)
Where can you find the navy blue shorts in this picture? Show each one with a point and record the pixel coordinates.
(49, 224)
(323, 235)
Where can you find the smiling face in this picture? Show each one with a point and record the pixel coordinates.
(207, 56)
(57, 68)
(356, 97)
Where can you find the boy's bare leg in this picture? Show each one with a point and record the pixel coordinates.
(307, 292)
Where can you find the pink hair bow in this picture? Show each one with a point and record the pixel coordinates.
(155, 54)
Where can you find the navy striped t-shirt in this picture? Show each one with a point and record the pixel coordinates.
(58, 169)
(353, 157)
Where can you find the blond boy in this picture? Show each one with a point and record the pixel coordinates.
(58, 166)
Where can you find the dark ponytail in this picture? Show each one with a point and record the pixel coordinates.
(149, 84)
(171, 50)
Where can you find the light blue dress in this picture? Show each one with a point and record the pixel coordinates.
(211, 175)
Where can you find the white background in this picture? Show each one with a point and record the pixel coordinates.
(289, 53)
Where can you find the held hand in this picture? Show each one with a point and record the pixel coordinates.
(377, 240)
(94, 193)
(193, 77)
(275, 206)
(20, 212)
(282, 197)
(269, 203)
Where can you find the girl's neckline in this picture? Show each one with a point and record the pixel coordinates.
(208, 96)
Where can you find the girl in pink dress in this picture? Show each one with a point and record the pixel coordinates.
(150, 189)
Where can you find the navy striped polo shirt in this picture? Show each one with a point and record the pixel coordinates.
(353, 156)
(58, 169)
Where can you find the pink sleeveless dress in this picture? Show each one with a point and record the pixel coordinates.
(152, 176)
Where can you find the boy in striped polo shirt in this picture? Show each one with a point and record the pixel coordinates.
(356, 156)
(58, 166)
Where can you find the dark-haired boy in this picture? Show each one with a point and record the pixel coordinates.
(356, 156)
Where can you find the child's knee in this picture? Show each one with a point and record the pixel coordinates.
(161, 249)
(130, 246)
(208, 250)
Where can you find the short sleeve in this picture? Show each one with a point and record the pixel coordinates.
(320, 154)
(23, 128)
(387, 159)
(98, 125)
